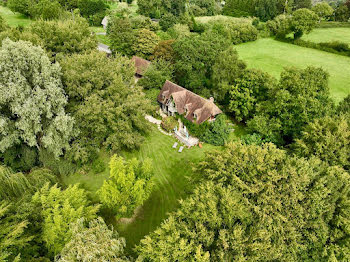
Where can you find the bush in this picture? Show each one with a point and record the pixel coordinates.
(169, 123)
(98, 166)
(215, 133)
(237, 32)
(156, 75)
(46, 10)
(20, 158)
(167, 21)
(59, 166)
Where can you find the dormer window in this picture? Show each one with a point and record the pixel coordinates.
(194, 115)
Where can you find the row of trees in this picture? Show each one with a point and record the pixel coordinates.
(93, 10)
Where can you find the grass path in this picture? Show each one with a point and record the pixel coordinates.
(319, 35)
(272, 56)
(14, 19)
(171, 172)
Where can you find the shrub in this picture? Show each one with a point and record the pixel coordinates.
(167, 21)
(169, 123)
(46, 10)
(20, 158)
(156, 75)
(98, 166)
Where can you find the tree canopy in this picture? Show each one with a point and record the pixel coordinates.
(109, 111)
(32, 100)
(257, 204)
(301, 96)
(130, 184)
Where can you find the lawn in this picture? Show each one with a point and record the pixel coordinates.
(171, 172)
(14, 19)
(320, 35)
(272, 56)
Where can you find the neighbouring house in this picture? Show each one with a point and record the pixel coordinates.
(176, 99)
(104, 22)
(141, 66)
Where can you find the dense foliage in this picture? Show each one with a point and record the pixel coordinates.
(156, 74)
(33, 112)
(65, 37)
(108, 111)
(257, 204)
(300, 97)
(130, 184)
(60, 209)
(93, 242)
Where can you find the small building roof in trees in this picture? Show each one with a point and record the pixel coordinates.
(140, 64)
(196, 108)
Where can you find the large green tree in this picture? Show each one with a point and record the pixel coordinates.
(122, 35)
(93, 241)
(257, 204)
(12, 235)
(195, 57)
(65, 36)
(32, 100)
(156, 74)
(227, 68)
(301, 96)
(130, 184)
(302, 22)
(109, 109)
(328, 138)
(60, 209)
(247, 91)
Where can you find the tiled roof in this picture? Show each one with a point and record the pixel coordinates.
(140, 64)
(188, 103)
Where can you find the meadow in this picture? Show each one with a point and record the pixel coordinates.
(272, 56)
(14, 19)
(321, 35)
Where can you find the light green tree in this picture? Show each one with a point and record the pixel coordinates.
(145, 43)
(323, 10)
(60, 209)
(12, 236)
(32, 100)
(93, 241)
(130, 184)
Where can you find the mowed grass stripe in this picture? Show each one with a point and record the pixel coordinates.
(272, 56)
(321, 35)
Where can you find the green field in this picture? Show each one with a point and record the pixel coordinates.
(14, 19)
(272, 56)
(320, 35)
(171, 172)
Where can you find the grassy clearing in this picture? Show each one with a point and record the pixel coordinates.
(320, 35)
(171, 172)
(272, 56)
(14, 19)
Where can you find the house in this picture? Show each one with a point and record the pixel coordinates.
(104, 22)
(176, 99)
(141, 66)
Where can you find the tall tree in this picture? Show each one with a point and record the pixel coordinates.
(60, 209)
(247, 92)
(257, 204)
(328, 138)
(130, 184)
(32, 100)
(109, 110)
(11, 234)
(122, 35)
(65, 36)
(302, 22)
(93, 241)
(301, 96)
(195, 57)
